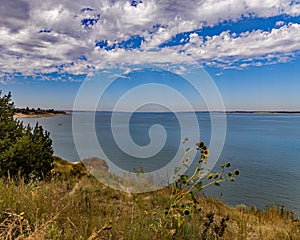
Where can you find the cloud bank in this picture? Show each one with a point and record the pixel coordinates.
(39, 38)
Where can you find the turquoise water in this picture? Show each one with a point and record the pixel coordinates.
(264, 147)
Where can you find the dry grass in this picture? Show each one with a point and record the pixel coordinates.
(83, 208)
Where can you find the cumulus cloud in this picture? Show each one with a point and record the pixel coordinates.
(246, 46)
(40, 37)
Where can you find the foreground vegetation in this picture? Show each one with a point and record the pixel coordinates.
(74, 205)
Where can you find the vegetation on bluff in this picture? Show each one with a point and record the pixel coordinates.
(84, 208)
(24, 150)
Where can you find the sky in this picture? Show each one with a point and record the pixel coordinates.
(249, 48)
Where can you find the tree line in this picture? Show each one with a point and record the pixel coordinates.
(28, 110)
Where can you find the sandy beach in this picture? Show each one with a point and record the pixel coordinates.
(21, 115)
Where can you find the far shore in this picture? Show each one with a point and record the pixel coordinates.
(40, 115)
(266, 112)
(49, 114)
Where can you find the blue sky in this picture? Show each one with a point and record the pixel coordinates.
(249, 48)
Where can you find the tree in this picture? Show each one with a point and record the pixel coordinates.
(23, 150)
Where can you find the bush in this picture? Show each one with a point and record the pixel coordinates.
(23, 150)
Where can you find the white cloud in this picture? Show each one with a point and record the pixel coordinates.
(248, 45)
(180, 70)
(279, 23)
(37, 36)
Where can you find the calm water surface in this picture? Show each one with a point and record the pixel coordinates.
(264, 147)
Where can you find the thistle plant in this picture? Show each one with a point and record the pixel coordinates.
(183, 201)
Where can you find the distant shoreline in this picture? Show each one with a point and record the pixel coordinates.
(46, 114)
(224, 112)
(39, 115)
(266, 112)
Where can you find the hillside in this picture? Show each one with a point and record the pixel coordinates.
(74, 205)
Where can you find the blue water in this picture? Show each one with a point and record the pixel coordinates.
(264, 147)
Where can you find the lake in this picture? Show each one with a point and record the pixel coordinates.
(264, 147)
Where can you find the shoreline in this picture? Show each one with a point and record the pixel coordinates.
(22, 115)
(222, 112)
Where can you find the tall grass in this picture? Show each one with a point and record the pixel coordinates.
(83, 208)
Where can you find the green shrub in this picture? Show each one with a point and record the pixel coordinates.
(24, 150)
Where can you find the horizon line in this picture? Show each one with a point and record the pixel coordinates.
(197, 111)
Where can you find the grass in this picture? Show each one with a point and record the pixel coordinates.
(76, 206)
